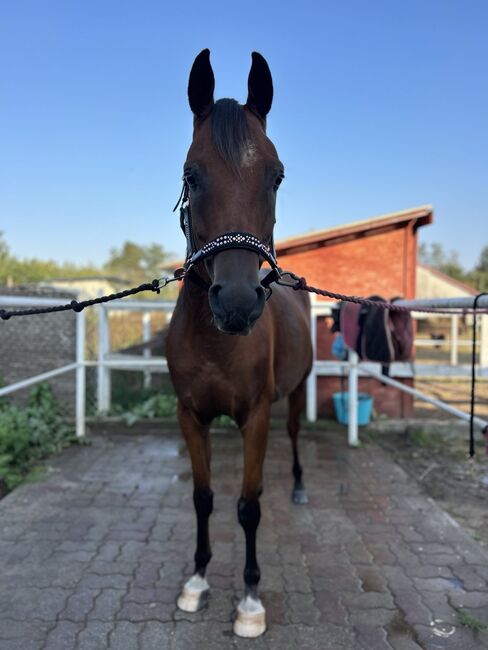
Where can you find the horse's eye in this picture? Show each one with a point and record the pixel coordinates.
(190, 179)
(278, 182)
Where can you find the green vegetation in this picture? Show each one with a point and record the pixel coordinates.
(132, 262)
(448, 263)
(419, 438)
(30, 434)
(470, 621)
(159, 405)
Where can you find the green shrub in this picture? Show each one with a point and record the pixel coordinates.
(157, 406)
(29, 434)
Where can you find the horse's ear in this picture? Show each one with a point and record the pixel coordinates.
(201, 85)
(260, 85)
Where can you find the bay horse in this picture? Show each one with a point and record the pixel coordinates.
(229, 349)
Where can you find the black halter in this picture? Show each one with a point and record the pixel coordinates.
(223, 242)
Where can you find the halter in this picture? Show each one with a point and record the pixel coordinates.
(228, 240)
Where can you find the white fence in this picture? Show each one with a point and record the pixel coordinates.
(107, 361)
(28, 302)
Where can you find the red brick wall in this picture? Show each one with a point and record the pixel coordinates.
(381, 264)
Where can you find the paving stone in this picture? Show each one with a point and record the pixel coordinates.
(412, 606)
(79, 604)
(367, 600)
(330, 608)
(301, 608)
(371, 578)
(23, 643)
(364, 617)
(156, 636)
(460, 638)
(106, 605)
(469, 599)
(323, 637)
(96, 581)
(37, 603)
(98, 561)
(12, 629)
(371, 636)
(125, 635)
(94, 636)
(153, 611)
(62, 636)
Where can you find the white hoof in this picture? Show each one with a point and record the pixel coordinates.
(194, 594)
(251, 618)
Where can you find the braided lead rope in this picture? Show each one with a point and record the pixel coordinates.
(156, 285)
(276, 275)
(300, 284)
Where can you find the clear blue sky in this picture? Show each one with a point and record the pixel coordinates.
(379, 106)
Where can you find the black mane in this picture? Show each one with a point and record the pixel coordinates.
(229, 131)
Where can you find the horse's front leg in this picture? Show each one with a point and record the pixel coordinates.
(196, 589)
(251, 617)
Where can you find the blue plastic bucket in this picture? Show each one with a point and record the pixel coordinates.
(341, 406)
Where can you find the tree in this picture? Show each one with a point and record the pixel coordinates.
(4, 259)
(448, 263)
(482, 265)
(136, 263)
(4, 250)
(480, 273)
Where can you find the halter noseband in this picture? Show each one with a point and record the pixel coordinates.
(223, 242)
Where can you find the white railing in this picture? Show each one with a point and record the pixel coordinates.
(107, 361)
(78, 366)
(462, 303)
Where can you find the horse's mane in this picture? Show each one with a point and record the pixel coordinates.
(229, 132)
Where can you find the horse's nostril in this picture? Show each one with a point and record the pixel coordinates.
(214, 290)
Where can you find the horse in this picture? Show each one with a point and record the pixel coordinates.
(234, 346)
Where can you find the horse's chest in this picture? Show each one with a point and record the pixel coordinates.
(211, 388)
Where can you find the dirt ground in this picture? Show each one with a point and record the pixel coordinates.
(442, 467)
(456, 392)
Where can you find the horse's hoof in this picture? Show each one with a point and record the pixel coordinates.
(299, 496)
(194, 594)
(251, 618)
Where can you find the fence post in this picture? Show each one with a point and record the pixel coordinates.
(103, 373)
(146, 337)
(312, 378)
(454, 340)
(483, 349)
(80, 375)
(352, 431)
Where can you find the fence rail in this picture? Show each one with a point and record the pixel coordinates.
(108, 361)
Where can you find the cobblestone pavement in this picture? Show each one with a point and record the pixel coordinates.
(94, 556)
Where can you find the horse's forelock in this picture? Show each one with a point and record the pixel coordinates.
(230, 133)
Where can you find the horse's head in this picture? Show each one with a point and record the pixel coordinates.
(231, 173)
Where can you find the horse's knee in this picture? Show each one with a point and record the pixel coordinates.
(203, 502)
(248, 513)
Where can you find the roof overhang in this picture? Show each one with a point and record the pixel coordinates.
(415, 217)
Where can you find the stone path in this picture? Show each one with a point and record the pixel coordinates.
(93, 557)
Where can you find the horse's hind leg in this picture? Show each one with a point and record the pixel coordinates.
(297, 401)
(196, 589)
(251, 616)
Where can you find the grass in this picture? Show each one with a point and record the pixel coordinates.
(419, 438)
(470, 621)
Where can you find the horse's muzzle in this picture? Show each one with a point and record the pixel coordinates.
(236, 307)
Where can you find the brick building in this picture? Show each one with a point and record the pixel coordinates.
(373, 256)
